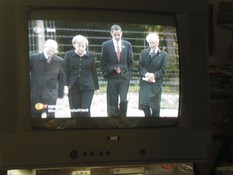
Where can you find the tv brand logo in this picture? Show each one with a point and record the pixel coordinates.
(113, 138)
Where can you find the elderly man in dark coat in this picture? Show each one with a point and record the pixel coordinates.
(152, 68)
(47, 80)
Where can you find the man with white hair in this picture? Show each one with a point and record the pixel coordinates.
(152, 68)
(47, 80)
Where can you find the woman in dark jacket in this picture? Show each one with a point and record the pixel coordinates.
(81, 77)
(152, 68)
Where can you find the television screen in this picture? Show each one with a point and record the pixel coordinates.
(54, 111)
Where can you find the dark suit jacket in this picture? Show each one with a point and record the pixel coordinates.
(81, 70)
(109, 60)
(47, 79)
(156, 64)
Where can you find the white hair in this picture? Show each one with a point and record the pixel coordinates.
(51, 44)
(152, 36)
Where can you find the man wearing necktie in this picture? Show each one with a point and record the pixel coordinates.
(47, 79)
(152, 68)
(117, 67)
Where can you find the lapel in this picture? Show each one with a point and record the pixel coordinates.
(42, 57)
(121, 48)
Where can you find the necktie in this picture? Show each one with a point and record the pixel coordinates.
(152, 54)
(118, 57)
(118, 52)
(48, 59)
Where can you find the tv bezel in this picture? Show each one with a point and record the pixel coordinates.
(21, 147)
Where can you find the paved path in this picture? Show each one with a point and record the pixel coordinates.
(169, 106)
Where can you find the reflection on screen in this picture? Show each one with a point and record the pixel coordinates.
(97, 33)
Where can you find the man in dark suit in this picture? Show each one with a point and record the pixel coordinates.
(152, 68)
(117, 67)
(47, 80)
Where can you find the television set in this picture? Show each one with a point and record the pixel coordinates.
(181, 133)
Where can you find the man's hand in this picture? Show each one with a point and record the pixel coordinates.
(66, 90)
(149, 77)
(97, 92)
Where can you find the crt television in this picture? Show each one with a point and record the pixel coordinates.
(182, 131)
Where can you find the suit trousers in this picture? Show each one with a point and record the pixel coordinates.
(80, 102)
(117, 88)
(153, 110)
